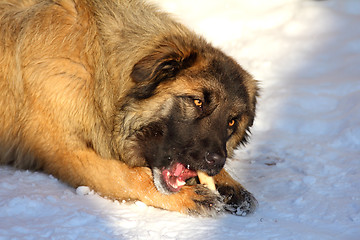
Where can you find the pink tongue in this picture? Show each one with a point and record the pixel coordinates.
(179, 168)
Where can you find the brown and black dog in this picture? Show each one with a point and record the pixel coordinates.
(115, 95)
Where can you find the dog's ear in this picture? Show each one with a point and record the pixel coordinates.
(164, 63)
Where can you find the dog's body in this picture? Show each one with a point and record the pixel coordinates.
(116, 96)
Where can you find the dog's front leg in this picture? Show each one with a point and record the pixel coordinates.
(114, 179)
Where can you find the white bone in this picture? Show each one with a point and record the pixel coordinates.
(206, 180)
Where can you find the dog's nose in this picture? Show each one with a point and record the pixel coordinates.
(215, 159)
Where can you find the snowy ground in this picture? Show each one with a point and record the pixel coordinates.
(303, 163)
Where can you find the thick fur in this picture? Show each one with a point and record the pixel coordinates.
(102, 93)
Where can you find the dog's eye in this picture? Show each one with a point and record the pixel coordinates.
(198, 103)
(231, 123)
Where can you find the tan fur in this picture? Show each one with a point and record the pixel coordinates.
(65, 66)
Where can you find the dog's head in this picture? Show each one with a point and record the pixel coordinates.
(190, 107)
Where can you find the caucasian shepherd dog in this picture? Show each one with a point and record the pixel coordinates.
(117, 96)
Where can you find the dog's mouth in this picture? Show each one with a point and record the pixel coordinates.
(174, 177)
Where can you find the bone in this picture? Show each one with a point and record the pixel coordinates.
(206, 180)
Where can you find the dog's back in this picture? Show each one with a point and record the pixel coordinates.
(38, 93)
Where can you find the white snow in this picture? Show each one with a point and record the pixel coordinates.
(303, 162)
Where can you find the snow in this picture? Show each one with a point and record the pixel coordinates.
(302, 163)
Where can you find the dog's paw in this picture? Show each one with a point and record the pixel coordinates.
(205, 202)
(237, 200)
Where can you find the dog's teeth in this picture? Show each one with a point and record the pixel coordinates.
(180, 183)
(188, 166)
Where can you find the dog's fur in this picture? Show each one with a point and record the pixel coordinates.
(115, 95)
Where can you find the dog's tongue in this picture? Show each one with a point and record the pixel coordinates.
(179, 168)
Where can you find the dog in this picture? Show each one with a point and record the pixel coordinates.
(117, 96)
